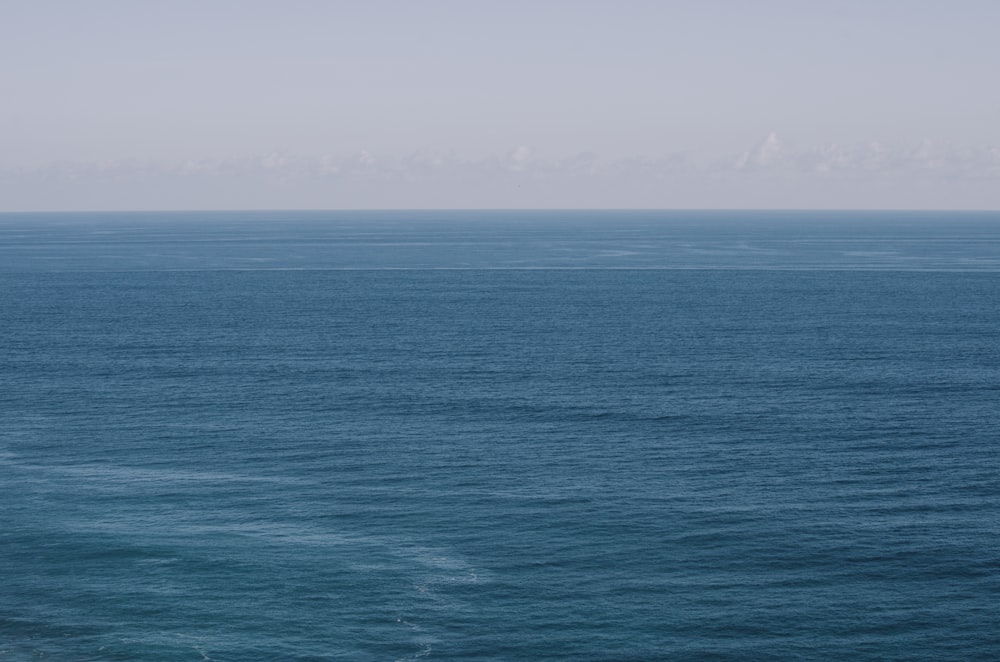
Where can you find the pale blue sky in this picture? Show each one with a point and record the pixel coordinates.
(481, 103)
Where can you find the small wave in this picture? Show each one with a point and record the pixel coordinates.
(424, 651)
(129, 474)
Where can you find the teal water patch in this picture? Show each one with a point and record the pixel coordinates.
(539, 463)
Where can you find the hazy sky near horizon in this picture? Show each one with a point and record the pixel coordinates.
(447, 103)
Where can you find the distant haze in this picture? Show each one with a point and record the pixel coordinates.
(226, 104)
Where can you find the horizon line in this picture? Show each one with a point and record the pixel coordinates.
(235, 210)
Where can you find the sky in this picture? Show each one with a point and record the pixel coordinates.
(313, 104)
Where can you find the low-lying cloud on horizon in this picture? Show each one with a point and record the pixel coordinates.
(770, 174)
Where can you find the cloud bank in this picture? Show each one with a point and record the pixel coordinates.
(770, 174)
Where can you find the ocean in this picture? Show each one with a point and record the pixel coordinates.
(602, 435)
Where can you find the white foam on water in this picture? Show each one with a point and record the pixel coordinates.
(424, 652)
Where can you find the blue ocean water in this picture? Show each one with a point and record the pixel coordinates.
(500, 436)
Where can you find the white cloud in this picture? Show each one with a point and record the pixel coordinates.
(769, 152)
(517, 158)
(927, 159)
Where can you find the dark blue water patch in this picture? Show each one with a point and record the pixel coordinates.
(499, 464)
(795, 240)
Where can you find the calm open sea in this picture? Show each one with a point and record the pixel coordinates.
(506, 436)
